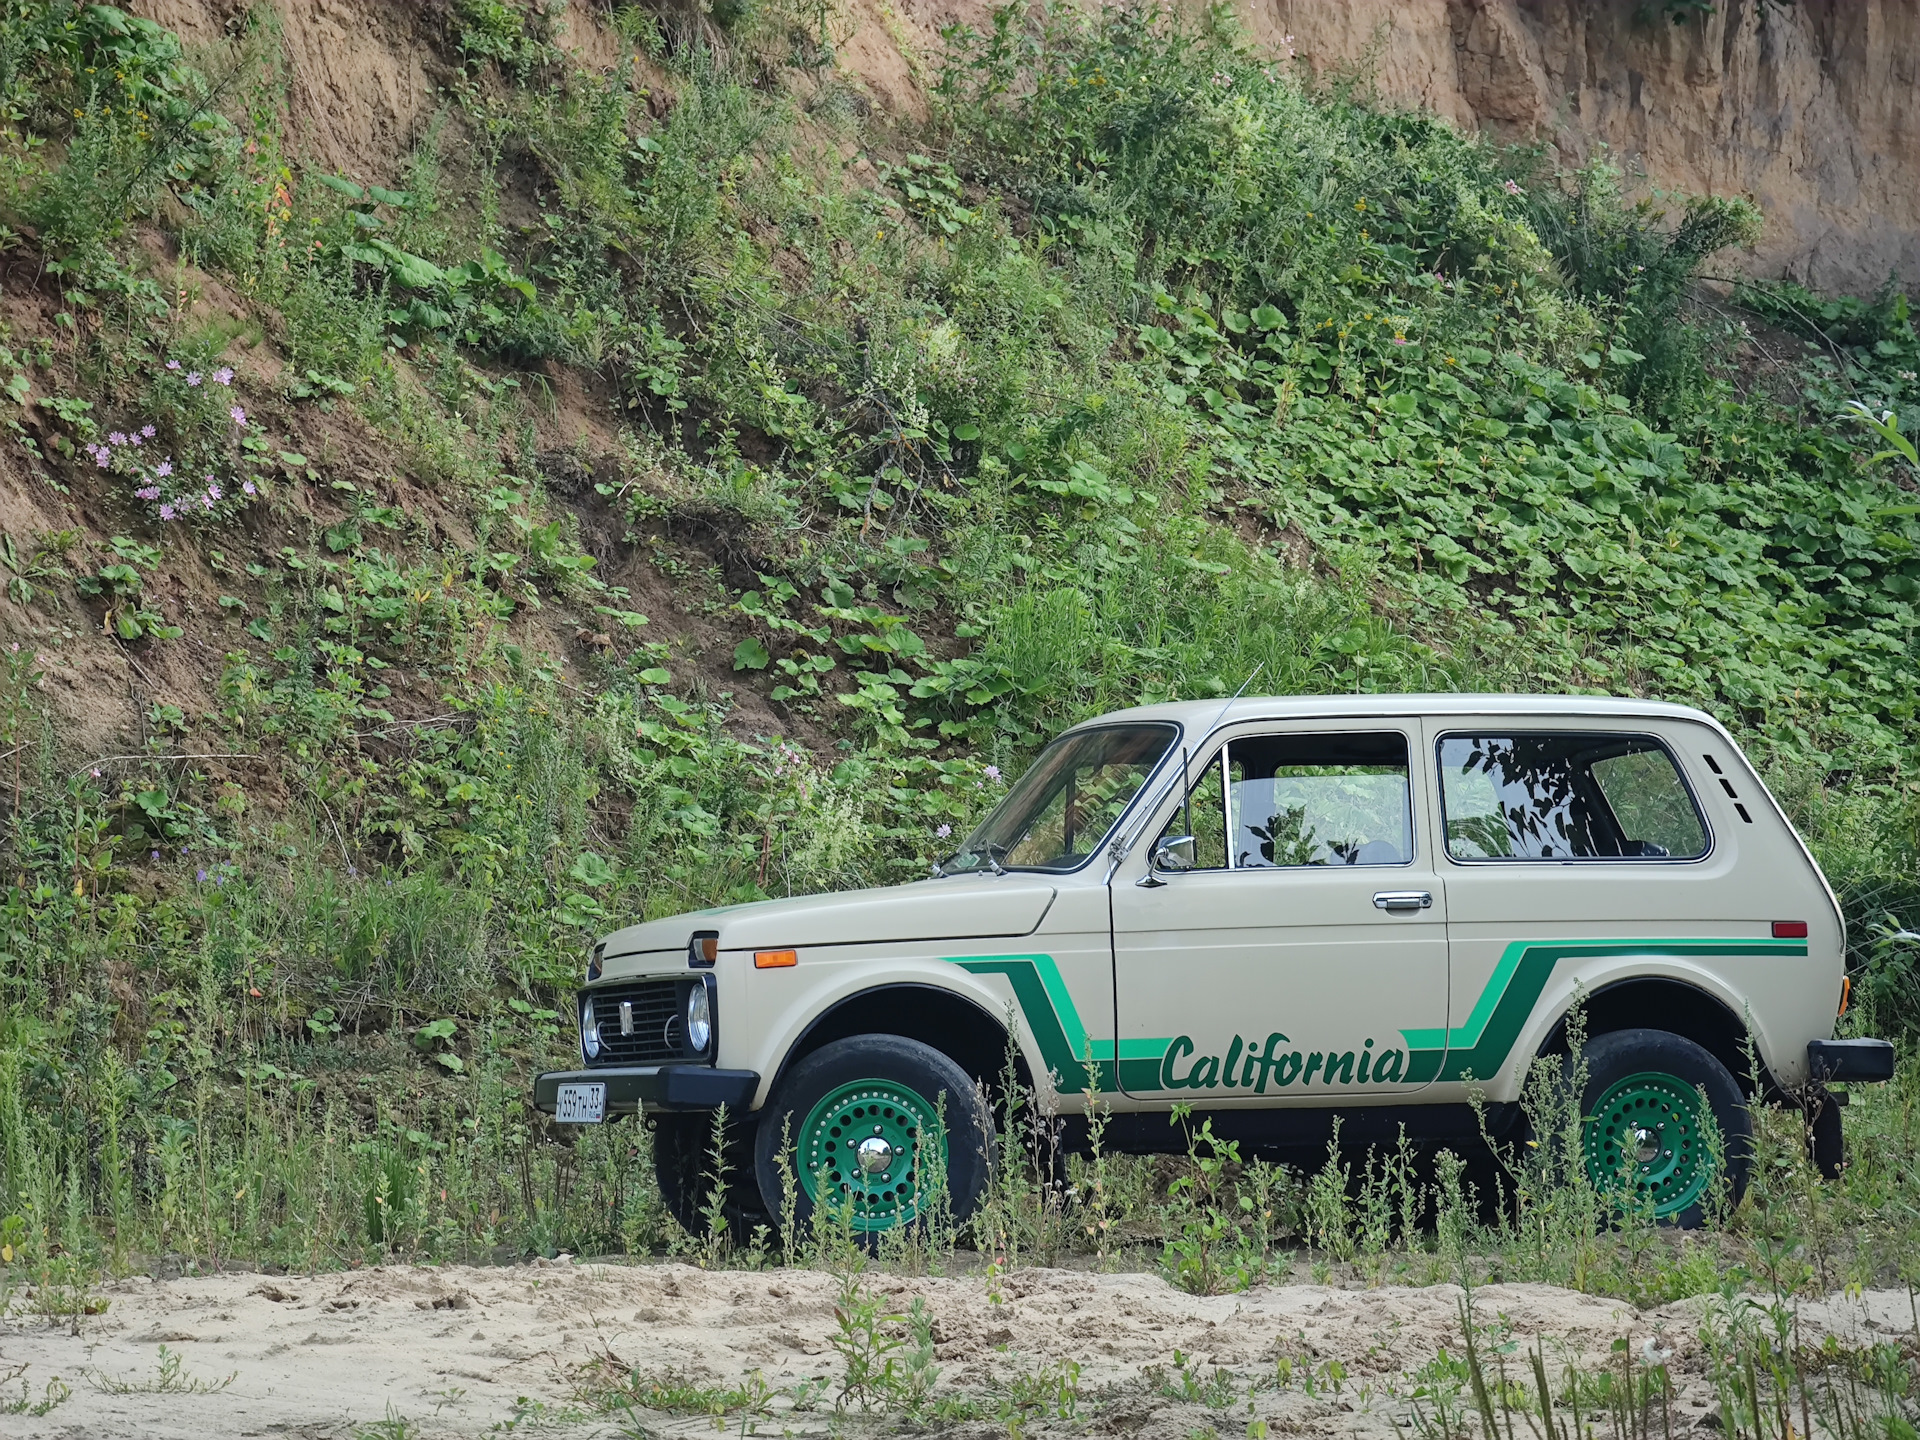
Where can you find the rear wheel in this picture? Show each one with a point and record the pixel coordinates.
(1648, 1098)
(874, 1127)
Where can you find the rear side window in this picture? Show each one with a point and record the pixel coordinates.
(1566, 795)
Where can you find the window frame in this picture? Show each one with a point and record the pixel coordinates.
(1221, 757)
(1521, 732)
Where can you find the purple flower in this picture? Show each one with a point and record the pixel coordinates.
(213, 492)
(207, 501)
(248, 487)
(166, 512)
(155, 855)
(223, 376)
(134, 441)
(163, 469)
(193, 377)
(103, 457)
(239, 415)
(171, 365)
(992, 772)
(943, 832)
(116, 438)
(352, 874)
(201, 876)
(147, 430)
(148, 492)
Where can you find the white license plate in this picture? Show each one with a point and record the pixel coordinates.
(580, 1104)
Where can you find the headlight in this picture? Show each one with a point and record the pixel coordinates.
(589, 1029)
(699, 1020)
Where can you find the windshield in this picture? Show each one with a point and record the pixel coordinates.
(1062, 809)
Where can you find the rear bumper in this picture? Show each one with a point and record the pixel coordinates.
(1862, 1060)
(655, 1087)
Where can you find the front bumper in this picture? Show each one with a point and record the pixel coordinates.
(1862, 1060)
(654, 1087)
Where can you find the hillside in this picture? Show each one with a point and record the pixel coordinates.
(475, 469)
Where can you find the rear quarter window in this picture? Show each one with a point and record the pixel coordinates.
(1566, 795)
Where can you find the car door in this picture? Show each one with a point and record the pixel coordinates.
(1308, 930)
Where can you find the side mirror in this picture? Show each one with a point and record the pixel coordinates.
(1175, 853)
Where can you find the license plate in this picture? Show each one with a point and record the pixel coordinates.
(580, 1104)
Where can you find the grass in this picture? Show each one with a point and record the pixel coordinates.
(1090, 391)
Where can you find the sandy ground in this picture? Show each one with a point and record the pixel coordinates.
(459, 1351)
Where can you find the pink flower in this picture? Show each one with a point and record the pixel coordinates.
(239, 415)
(103, 457)
(213, 492)
(134, 441)
(1399, 339)
(1512, 189)
(147, 430)
(148, 492)
(173, 364)
(207, 501)
(163, 469)
(943, 832)
(223, 376)
(116, 438)
(166, 512)
(193, 377)
(248, 487)
(992, 772)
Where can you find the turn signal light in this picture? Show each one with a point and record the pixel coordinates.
(1789, 929)
(775, 959)
(1846, 994)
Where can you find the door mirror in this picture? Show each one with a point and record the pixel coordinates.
(1174, 853)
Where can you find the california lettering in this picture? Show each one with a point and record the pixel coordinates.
(1245, 1067)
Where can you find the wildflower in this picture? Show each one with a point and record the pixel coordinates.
(201, 875)
(116, 438)
(1222, 79)
(352, 874)
(103, 457)
(992, 772)
(206, 501)
(134, 441)
(154, 856)
(147, 492)
(147, 430)
(193, 377)
(163, 469)
(173, 364)
(248, 487)
(96, 773)
(213, 492)
(1399, 339)
(239, 415)
(166, 512)
(943, 832)
(1512, 189)
(223, 376)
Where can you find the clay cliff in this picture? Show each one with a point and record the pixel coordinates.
(1808, 107)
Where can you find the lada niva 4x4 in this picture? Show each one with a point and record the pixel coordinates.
(1279, 912)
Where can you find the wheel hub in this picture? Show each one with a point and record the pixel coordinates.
(867, 1147)
(1645, 1139)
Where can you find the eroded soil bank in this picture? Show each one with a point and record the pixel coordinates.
(460, 1351)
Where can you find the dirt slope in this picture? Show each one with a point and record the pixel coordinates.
(454, 1349)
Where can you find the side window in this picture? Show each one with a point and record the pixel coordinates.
(1566, 795)
(1338, 799)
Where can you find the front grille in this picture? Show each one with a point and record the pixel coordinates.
(659, 1022)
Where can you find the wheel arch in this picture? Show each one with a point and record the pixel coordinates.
(954, 1024)
(1663, 1002)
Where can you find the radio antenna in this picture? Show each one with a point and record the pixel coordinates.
(1235, 696)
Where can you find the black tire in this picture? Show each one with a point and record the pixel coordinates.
(682, 1167)
(888, 1061)
(1826, 1146)
(1620, 1055)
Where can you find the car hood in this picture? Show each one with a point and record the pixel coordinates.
(964, 907)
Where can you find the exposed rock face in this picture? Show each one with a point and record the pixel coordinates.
(1809, 107)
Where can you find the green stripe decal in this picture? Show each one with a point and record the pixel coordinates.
(1061, 1035)
(1480, 1047)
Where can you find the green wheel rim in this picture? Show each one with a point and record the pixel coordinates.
(865, 1146)
(1647, 1131)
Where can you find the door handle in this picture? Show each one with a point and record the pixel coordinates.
(1398, 902)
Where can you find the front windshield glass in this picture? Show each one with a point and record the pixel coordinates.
(1063, 808)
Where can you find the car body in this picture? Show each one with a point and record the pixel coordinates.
(1280, 911)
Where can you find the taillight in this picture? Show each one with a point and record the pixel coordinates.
(1789, 929)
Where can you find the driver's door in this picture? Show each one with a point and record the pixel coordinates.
(1303, 956)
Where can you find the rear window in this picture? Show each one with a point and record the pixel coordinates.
(1566, 795)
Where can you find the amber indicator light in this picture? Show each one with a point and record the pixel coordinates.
(1789, 929)
(775, 959)
(1846, 992)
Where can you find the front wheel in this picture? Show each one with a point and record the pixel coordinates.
(1645, 1124)
(874, 1127)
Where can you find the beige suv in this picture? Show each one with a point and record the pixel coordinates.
(1279, 912)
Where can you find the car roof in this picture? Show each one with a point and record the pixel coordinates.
(1200, 717)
